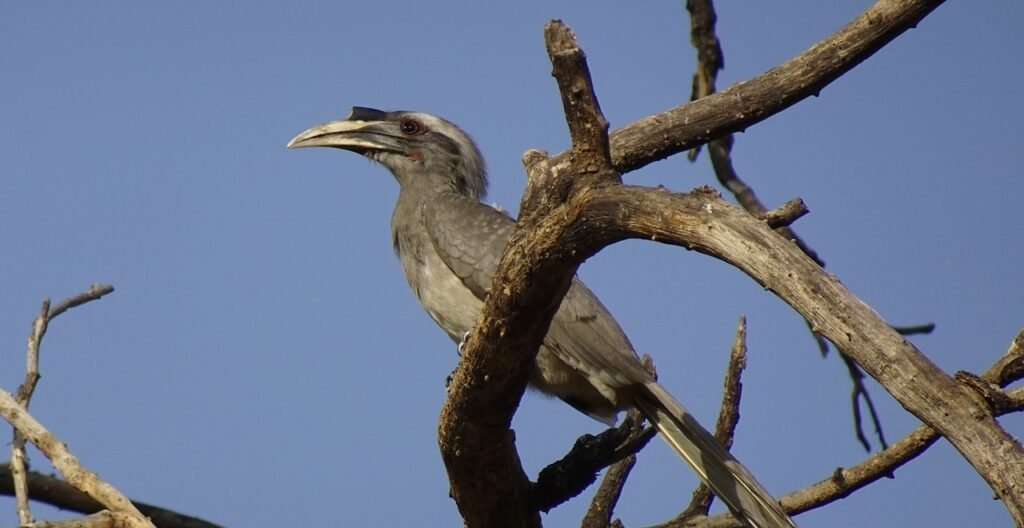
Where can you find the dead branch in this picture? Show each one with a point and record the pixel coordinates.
(56, 492)
(25, 390)
(728, 417)
(65, 462)
(845, 481)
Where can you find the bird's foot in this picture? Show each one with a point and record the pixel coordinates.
(462, 343)
(459, 349)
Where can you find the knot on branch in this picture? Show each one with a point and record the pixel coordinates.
(990, 395)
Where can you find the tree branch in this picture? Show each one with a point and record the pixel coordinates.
(69, 466)
(672, 131)
(57, 492)
(702, 221)
(576, 471)
(728, 416)
(843, 482)
(487, 479)
(24, 395)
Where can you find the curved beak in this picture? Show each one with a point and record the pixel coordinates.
(362, 131)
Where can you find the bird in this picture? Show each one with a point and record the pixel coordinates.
(449, 243)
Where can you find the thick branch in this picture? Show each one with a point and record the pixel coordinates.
(704, 222)
(487, 479)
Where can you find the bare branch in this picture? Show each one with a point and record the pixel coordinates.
(858, 392)
(588, 127)
(54, 491)
(103, 519)
(661, 135)
(701, 220)
(63, 460)
(843, 482)
(728, 417)
(25, 390)
(19, 464)
(785, 214)
(1010, 366)
(96, 291)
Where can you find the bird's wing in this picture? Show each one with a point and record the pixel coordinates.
(470, 237)
(585, 335)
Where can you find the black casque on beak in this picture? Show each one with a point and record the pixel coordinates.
(364, 130)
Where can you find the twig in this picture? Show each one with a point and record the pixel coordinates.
(728, 417)
(95, 292)
(785, 214)
(19, 465)
(857, 392)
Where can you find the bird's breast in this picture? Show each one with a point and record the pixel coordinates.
(442, 293)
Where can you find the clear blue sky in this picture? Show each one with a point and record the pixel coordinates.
(262, 362)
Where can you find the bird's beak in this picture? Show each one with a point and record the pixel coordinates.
(353, 133)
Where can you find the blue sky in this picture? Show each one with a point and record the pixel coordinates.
(262, 361)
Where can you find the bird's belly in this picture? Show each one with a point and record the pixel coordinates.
(448, 301)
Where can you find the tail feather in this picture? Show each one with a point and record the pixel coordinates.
(734, 484)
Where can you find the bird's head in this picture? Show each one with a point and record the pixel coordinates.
(418, 149)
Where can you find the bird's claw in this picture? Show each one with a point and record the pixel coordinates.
(462, 343)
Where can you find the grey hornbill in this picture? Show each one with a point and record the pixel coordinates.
(449, 244)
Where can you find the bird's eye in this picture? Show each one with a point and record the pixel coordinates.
(411, 127)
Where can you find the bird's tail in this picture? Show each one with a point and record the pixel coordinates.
(734, 484)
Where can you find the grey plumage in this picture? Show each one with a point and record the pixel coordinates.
(449, 244)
